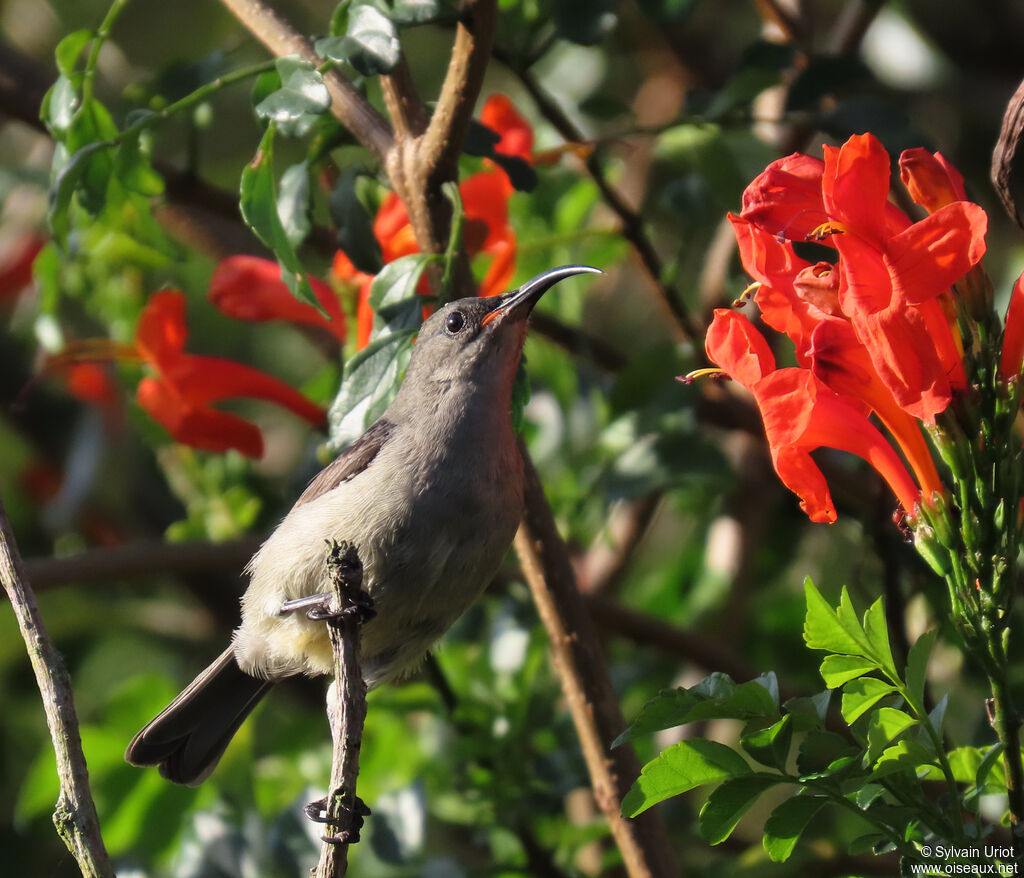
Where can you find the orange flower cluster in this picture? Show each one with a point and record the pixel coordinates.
(874, 327)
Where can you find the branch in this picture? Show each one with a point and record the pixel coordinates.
(75, 812)
(581, 667)
(346, 709)
(348, 106)
(474, 37)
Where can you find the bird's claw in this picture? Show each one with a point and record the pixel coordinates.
(320, 607)
(351, 818)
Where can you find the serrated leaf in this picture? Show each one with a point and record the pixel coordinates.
(354, 224)
(680, 768)
(293, 203)
(787, 823)
(877, 633)
(729, 802)
(370, 43)
(886, 724)
(860, 695)
(258, 204)
(831, 630)
(370, 383)
(917, 667)
(905, 756)
(770, 746)
(839, 669)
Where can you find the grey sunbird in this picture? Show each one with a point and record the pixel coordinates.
(430, 497)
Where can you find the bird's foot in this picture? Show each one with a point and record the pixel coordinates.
(320, 607)
(349, 821)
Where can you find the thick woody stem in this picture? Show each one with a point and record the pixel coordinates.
(75, 813)
(583, 672)
(347, 105)
(346, 712)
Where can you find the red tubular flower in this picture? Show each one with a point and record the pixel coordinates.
(1012, 358)
(179, 396)
(931, 180)
(16, 259)
(801, 414)
(891, 271)
(250, 288)
(500, 115)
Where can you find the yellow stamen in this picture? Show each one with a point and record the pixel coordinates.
(825, 230)
(746, 295)
(690, 377)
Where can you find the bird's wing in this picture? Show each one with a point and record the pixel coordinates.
(352, 461)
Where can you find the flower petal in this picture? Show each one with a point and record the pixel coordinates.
(931, 180)
(161, 331)
(200, 427)
(1013, 336)
(250, 288)
(500, 115)
(733, 343)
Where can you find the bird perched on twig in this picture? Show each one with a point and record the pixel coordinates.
(430, 496)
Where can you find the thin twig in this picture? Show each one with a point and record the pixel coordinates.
(602, 568)
(583, 672)
(631, 221)
(346, 711)
(348, 106)
(75, 813)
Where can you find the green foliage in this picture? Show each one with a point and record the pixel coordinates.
(875, 767)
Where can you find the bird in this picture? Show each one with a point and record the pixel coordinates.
(430, 497)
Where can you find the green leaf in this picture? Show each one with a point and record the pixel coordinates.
(415, 11)
(715, 697)
(371, 381)
(839, 669)
(69, 49)
(885, 724)
(293, 203)
(824, 753)
(786, 824)
(370, 43)
(354, 223)
(393, 295)
(877, 633)
(133, 168)
(770, 746)
(861, 695)
(258, 204)
(59, 106)
(832, 630)
(65, 184)
(905, 756)
(866, 843)
(917, 667)
(867, 794)
(809, 712)
(300, 100)
(679, 768)
(729, 802)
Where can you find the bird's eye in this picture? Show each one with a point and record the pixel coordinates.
(454, 322)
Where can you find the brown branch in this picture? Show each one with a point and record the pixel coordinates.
(348, 106)
(346, 709)
(75, 812)
(474, 37)
(632, 226)
(593, 703)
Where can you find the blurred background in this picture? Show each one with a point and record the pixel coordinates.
(649, 118)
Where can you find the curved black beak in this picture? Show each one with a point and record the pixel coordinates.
(524, 298)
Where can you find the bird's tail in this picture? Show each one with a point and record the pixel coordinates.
(190, 735)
